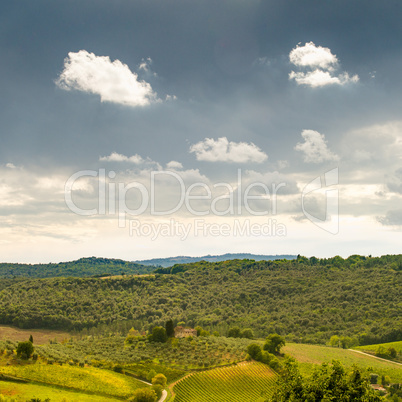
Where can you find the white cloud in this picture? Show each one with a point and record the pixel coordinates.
(222, 150)
(315, 147)
(11, 166)
(312, 56)
(115, 157)
(174, 165)
(321, 65)
(319, 78)
(112, 81)
(145, 64)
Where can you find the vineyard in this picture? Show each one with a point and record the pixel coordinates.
(246, 382)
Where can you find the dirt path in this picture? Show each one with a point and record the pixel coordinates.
(375, 357)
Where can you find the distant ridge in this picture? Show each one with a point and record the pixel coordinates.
(170, 261)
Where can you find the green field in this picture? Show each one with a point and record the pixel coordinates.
(22, 392)
(309, 355)
(88, 379)
(246, 382)
(373, 348)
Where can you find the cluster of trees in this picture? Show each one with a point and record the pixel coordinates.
(344, 342)
(305, 299)
(328, 383)
(266, 354)
(386, 353)
(236, 332)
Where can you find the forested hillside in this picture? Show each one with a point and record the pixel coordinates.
(80, 268)
(168, 262)
(308, 300)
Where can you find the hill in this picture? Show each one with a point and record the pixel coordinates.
(168, 262)
(83, 267)
(308, 300)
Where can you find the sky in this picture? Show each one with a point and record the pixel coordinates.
(145, 129)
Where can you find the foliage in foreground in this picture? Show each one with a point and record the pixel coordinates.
(309, 356)
(328, 383)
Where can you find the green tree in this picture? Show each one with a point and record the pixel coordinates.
(159, 379)
(254, 351)
(392, 352)
(158, 390)
(31, 338)
(151, 374)
(159, 334)
(169, 329)
(144, 395)
(25, 349)
(273, 343)
(247, 333)
(199, 330)
(234, 332)
(334, 341)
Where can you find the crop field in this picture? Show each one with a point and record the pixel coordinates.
(246, 382)
(89, 379)
(373, 348)
(309, 355)
(39, 336)
(22, 392)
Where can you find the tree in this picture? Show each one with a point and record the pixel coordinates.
(159, 334)
(151, 374)
(234, 332)
(392, 352)
(31, 338)
(25, 349)
(158, 390)
(273, 343)
(254, 351)
(144, 395)
(247, 333)
(159, 379)
(198, 329)
(169, 329)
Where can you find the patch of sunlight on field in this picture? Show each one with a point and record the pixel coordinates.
(373, 348)
(309, 355)
(22, 392)
(89, 379)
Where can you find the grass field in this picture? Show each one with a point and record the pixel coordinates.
(39, 336)
(89, 379)
(308, 355)
(373, 348)
(23, 392)
(246, 382)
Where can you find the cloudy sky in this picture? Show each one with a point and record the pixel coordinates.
(138, 129)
